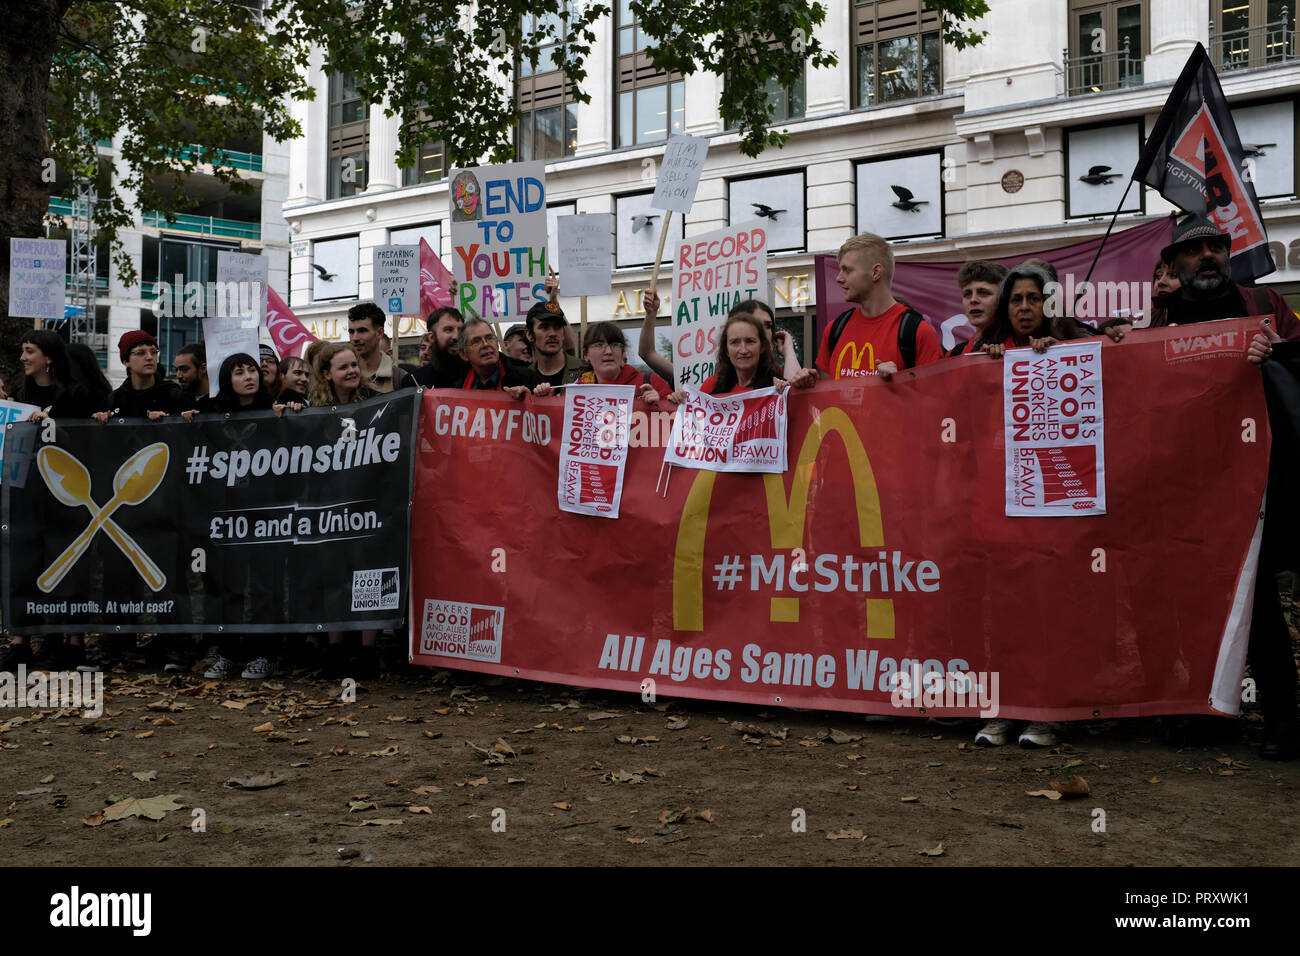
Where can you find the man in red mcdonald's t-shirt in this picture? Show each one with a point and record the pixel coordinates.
(869, 342)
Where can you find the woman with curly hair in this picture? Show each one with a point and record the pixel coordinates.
(336, 377)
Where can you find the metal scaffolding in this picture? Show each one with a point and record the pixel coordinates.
(82, 264)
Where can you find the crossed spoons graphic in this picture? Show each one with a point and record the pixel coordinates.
(69, 481)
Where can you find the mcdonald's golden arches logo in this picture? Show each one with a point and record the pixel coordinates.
(786, 520)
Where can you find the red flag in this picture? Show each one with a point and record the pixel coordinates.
(435, 280)
(1195, 160)
(286, 330)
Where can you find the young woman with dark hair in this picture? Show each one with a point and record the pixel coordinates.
(48, 382)
(241, 389)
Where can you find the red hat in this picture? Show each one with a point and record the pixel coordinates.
(131, 339)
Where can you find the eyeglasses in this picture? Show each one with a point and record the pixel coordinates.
(144, 351)
(602, 346)
(488, 339)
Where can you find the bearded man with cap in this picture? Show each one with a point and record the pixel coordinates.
(145, 393)
(1199, 256)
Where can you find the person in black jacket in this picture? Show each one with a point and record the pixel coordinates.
(144, 394)
(48, 382)
(1271, 660)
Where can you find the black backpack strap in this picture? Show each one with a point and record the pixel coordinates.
(959, 348)
(837, 329)
(907, 336)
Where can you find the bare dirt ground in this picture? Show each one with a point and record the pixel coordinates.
(455, 769)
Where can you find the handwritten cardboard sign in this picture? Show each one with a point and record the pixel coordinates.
(498, 239)
(679, 176)
(242, 278)
(586, 253)
(37, 278)
(712, 273)
(396, 279)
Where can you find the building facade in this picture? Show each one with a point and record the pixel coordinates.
(996, 145)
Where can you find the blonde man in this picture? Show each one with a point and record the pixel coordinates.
(880, 335)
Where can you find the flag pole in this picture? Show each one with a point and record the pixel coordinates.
(1097, 255)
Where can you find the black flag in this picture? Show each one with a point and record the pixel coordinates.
(1194, 159)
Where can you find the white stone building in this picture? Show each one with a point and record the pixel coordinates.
(994, 140)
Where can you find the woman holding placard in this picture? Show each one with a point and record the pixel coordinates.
(746, 360)
(605, 351)
(783, 354)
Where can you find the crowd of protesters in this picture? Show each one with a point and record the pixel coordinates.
(1007, 307)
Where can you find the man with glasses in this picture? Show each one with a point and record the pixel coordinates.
(145, 393)
(490, 369)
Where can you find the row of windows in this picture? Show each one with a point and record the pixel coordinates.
(896, 56)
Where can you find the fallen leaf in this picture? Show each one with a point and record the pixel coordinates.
(1226, 773)
(853, 786)
(1074, 787)
(33, 792)
(265, 728)
(637, 840)
(144, 776)
(937, 851)
(256, 781)
(49, 779)
(234, 704)
(5, 822)
(389, 751)
(840, 737)
(359, 806)
(705, 815)
(153, 808)
(907, 799)
(1049, 794)
(476, 783)
(427, 788)
(1072, 763)
(419, 810)
(359, 733)
(562, 806)
(845, 835)
(145, 735)
(601, 715)
(516, 780)
(164, 722)
(444, 711)
(302, 764)
(1154, 780)
(502, 747)
(95, 819)
(678, 723)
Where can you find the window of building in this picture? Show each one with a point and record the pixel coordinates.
(1251, 33)
(637, 228)
(897, 51)
(430, 165)
(349, 137)
(335, 264)
(548, 123)
(651, 104)
(901, 197)
(1097, 161)
(1107, 43)
(775, 199)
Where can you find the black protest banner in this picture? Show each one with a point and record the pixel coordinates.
(243, 523)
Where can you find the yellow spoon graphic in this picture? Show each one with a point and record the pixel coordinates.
(69, 482)
(137, 479)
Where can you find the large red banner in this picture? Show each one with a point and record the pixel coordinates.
(883, 550)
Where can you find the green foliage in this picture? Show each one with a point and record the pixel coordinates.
(166, 75)
(170, 74)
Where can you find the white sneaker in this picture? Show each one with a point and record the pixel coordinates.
(219, 669)
(258, 668)
(1039, 735)
(995, 733)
